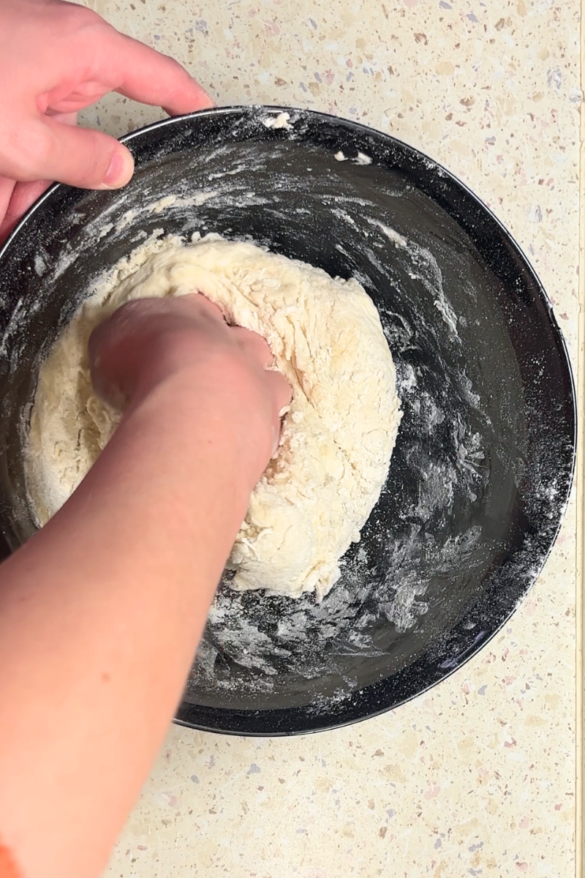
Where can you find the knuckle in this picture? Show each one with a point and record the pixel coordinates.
(95, 160)
(48, 153)
(35, 153)
(75, 16)
(87, 26)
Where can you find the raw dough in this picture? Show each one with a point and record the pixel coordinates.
(338, 436)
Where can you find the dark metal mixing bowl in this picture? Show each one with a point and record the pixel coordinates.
(484, 460)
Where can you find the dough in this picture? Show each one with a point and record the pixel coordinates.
(337, 438)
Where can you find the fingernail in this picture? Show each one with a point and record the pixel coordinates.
(120, 171)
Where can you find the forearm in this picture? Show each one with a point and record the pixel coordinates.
(130, 608)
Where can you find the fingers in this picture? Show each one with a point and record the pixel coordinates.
(255, 346)
(17, 198)
(53, 150)
(23, 196)
(152, 78)
(146, 342)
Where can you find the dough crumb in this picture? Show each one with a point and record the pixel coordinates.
(280, 121)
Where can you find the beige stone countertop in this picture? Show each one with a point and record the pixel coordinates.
(476, 777)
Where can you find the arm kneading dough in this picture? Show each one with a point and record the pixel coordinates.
(326, 336)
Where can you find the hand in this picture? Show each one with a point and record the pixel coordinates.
(55, 59)
(101, 612)
(184, 343)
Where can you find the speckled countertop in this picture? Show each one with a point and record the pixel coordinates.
(478, 776)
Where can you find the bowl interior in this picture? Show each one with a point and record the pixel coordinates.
(483, 463)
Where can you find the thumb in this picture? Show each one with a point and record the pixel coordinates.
(81, 157)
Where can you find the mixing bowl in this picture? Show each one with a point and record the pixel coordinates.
(484, 459)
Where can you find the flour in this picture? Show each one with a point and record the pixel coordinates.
(337, 438)
(393, 235)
